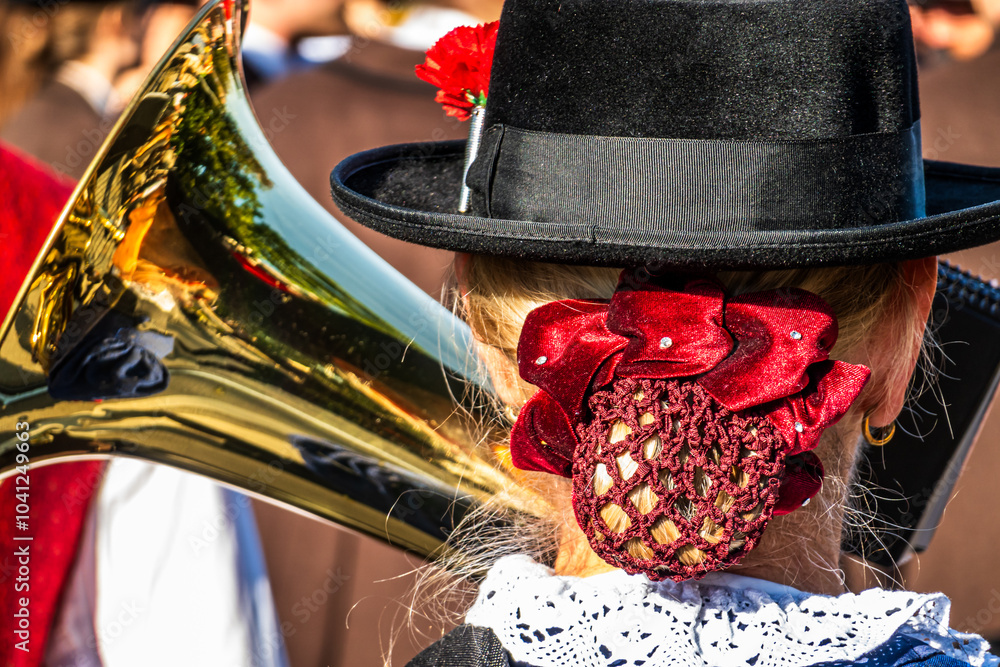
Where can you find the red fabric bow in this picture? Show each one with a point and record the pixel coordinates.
(765, 350)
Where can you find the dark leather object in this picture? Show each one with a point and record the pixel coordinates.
(908, 482)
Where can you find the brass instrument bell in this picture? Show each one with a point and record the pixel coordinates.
(195, 307)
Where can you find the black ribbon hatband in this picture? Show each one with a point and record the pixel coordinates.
(643, 184)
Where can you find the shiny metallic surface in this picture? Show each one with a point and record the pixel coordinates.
(195, 307)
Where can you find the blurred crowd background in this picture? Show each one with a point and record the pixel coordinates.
(328, 78)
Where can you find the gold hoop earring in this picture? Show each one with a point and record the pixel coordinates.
(878, 436)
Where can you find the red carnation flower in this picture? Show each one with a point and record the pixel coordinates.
(459, 64)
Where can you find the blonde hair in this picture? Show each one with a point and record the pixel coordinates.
(498, 293)
(494, 295)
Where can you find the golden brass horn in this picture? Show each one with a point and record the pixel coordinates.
(195, 307)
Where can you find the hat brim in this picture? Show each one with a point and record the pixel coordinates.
(410, 192)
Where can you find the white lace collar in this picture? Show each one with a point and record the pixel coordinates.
(615, 619)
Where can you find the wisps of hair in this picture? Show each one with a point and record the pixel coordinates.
(498, 293)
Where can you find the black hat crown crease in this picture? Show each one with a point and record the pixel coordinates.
(702, 134)
(705, 69)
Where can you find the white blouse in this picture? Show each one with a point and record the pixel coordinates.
(616, 619)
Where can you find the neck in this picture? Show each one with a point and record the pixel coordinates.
(802, 549)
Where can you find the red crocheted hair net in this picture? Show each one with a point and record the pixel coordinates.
(669, 483)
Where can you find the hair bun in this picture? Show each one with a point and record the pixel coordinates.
(669, 483)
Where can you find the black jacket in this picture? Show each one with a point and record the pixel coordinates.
(465, 646)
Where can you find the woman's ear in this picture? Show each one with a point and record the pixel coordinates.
(920, 280)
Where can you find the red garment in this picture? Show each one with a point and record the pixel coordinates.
(31, 198)
(58, 495)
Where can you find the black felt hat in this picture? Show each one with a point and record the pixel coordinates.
(688, 133)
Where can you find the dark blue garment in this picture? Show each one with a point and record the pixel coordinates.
(113, 360)
(468, 646)
(901, 651)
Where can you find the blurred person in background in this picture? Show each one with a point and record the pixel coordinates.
(26, 57)
(368, 97)
(131, 556)
(70, 53)
(952, 30)
(960, 122)
(960, 97)
(161, 22)
(126, 556)
(289, 35)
